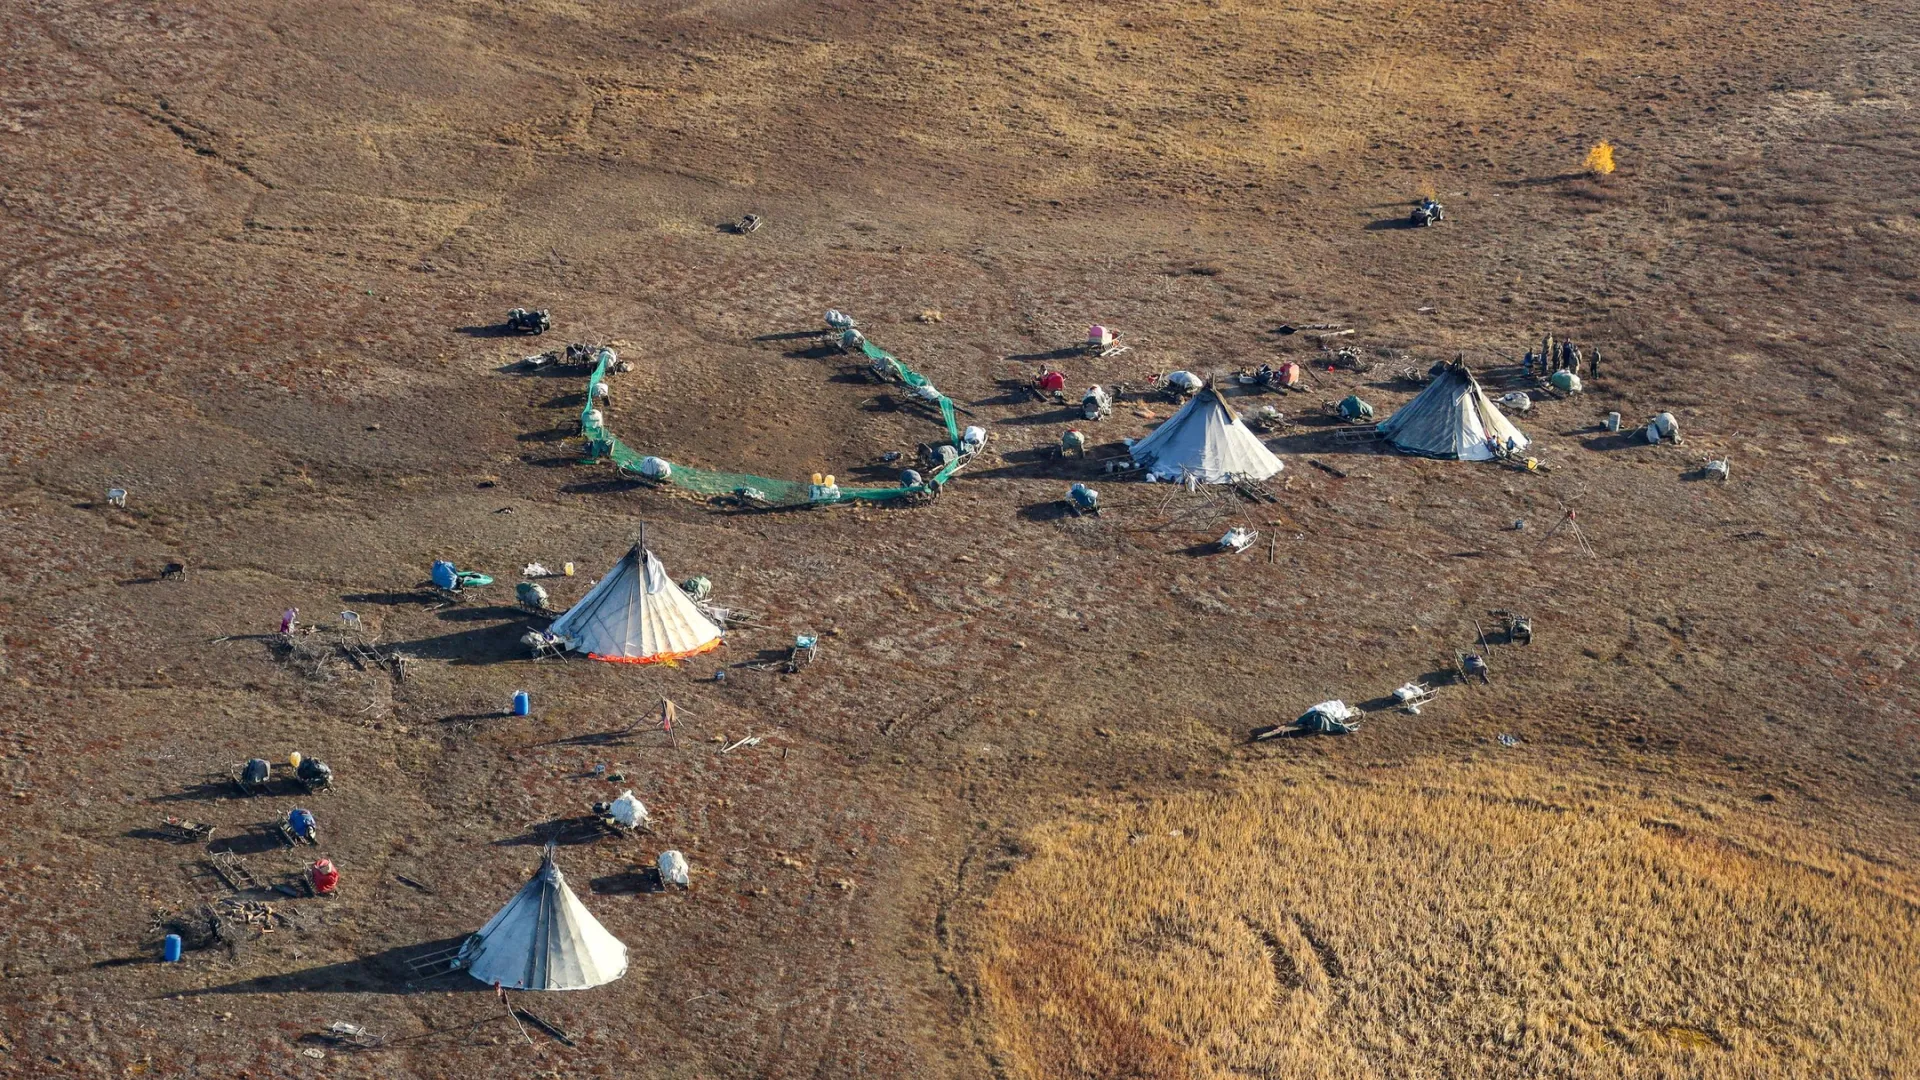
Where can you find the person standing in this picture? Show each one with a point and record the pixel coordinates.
(1593, 364)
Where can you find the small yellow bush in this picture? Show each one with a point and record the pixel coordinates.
(1600, 159)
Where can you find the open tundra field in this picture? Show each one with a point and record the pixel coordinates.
(1009, 823)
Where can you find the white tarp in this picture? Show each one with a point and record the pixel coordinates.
(628, 810)
(545, 939)
(636, 615)
(1205, 440)
(673, 869)
(1335, 709)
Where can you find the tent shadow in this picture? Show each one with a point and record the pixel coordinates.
(551, 435)
(494, 330)
(378, 973)
(1399, 221)
(481, 614)
(1200, 550)
(389, 599)
(792, 335)
(566, 832)
(483, 645)
(1034, 465)
(565, 401)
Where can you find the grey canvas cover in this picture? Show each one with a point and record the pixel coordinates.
(1451, 418)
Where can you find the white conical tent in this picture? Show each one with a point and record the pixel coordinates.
(545, 939)
(1206, 440)
(636, 615)
(1451, 418)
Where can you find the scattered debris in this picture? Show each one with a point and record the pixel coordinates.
(1334, 717)
(186, 831)
(1410, 696)
(1570, 521)
(1518, 629)
(231, 871)
(340, 1031)
(750, 740)
(1238, 540)
(805, 648)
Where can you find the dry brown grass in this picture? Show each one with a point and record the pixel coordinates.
(1492, 927)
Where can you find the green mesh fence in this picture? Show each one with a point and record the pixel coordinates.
(888, 363)
(602, 443)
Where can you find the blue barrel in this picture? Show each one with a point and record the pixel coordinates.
(522, 704)
(170, 948)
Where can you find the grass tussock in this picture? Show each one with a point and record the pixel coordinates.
(1499, 929)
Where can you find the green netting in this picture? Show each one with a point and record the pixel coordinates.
(602, 443)
(887, 363)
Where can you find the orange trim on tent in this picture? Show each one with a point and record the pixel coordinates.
(656, 658)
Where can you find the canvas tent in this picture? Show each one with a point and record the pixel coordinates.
(1451, 418)
(636, 615)
(545, 939)
(1205, 440)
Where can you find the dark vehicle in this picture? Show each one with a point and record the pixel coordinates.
(522, 321)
